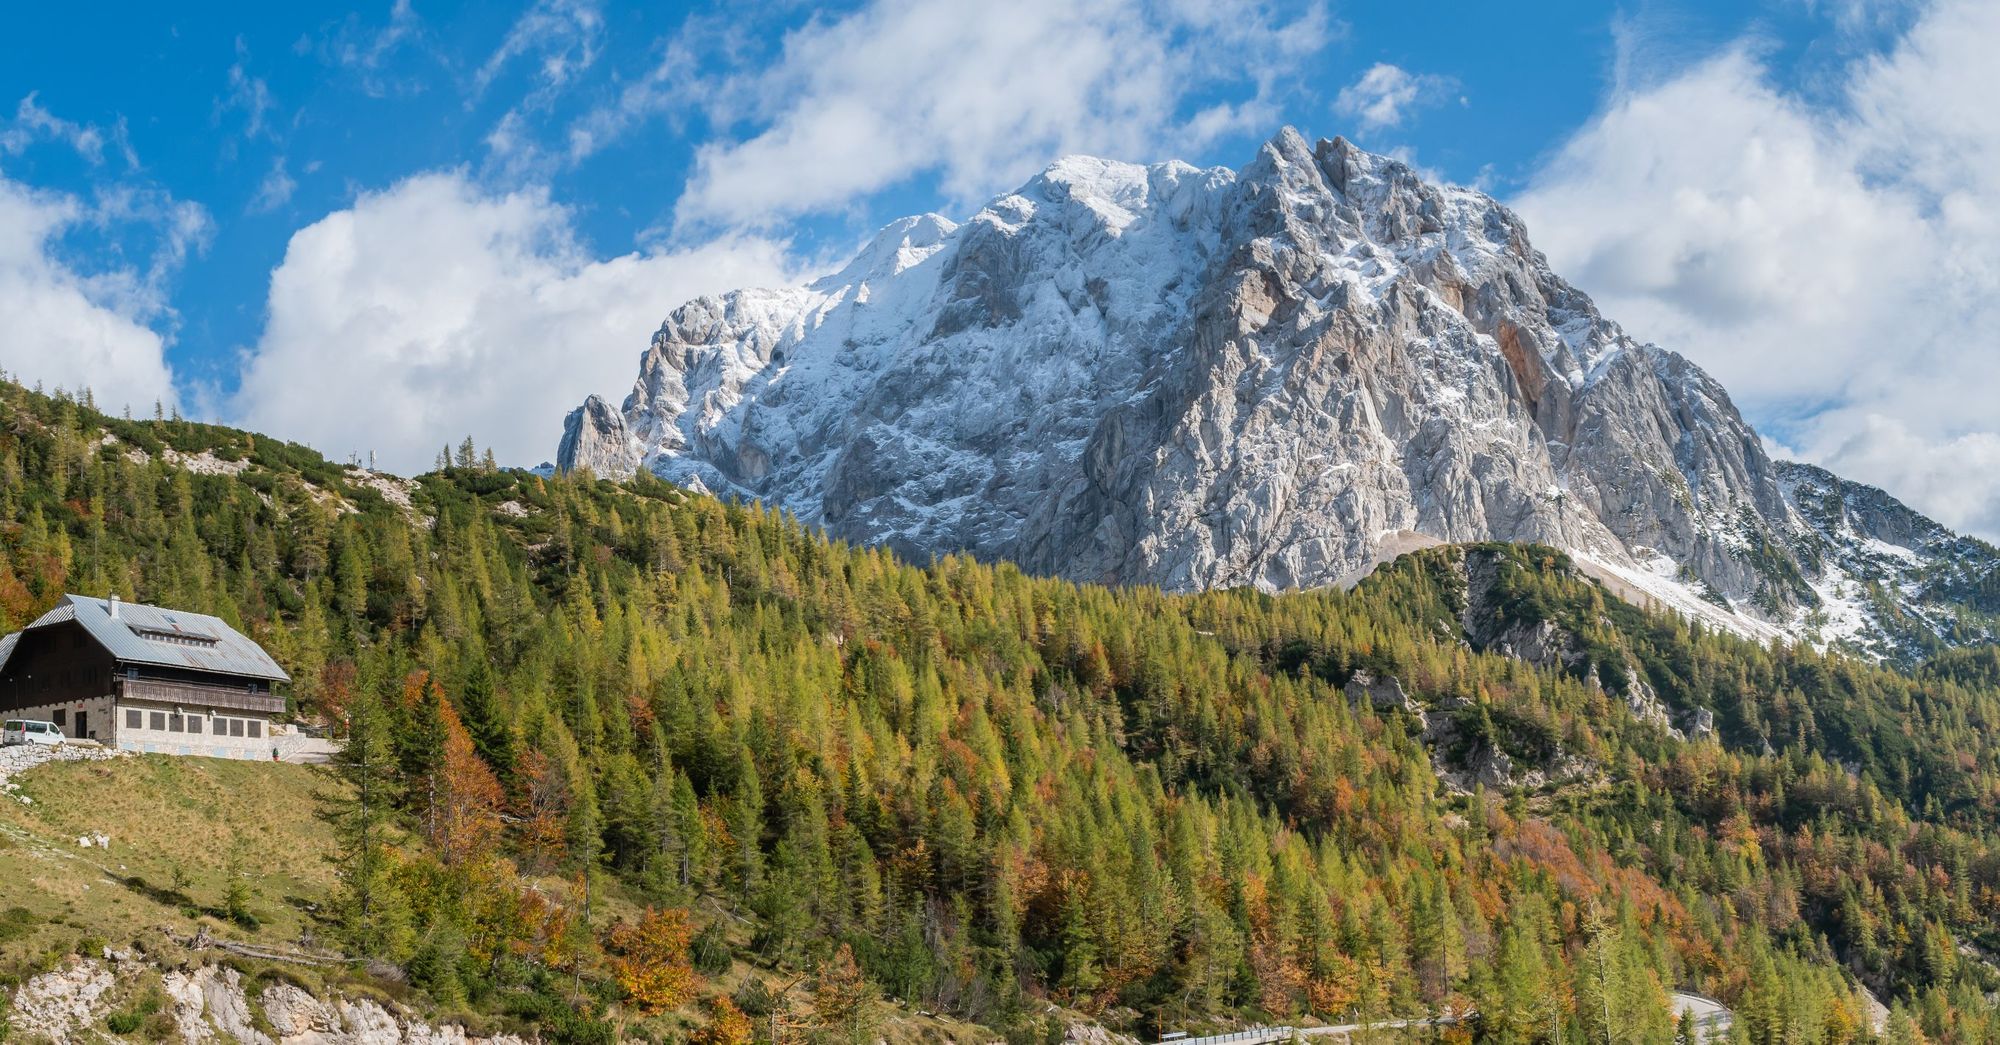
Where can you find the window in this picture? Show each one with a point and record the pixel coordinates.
(59, 716)
(173, 723)
(131, 718)
(159, 720)
(194, 723)
(256, 728)
(235, 727)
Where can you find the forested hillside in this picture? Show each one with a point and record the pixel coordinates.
(966, 790)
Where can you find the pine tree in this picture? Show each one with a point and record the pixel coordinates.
(372, 913)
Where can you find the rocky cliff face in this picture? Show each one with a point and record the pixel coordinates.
(594, 436)
(1194, 378)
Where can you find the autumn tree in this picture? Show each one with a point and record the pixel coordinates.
(727, 1025)
(649, 959)
(843, 999)
(542, 809)
(464, 823)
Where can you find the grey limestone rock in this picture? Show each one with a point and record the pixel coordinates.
(1267, 377)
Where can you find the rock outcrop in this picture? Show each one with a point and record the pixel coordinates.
(64, 1002)
(594, 436)
(1210, 378)
(1382, 695)
(210, 1004)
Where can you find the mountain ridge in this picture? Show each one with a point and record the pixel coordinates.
(1206, 378)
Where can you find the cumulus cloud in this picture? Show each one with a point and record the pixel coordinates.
(72, 328)
(76, 324)
(1386, 94)
(980, 95)
(436, 308)
(1833, 264)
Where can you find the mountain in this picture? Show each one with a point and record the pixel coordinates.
(1276, 377)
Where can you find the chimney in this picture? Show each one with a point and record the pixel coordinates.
(113, 603)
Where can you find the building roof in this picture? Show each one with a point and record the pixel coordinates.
(140, 634)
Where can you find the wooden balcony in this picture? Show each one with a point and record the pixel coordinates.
(196, 694)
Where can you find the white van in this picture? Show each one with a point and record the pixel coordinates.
(29, 731)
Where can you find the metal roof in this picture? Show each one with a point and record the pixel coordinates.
(7, 648)
(142, 634)
(63, 611)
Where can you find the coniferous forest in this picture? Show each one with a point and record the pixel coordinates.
(606, 742)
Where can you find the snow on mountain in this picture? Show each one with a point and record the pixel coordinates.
(1276, 376)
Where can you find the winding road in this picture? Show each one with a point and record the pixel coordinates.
(1711, 1018)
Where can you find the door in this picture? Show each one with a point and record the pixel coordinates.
(82, 724)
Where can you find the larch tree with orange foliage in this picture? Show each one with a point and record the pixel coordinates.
(650, 961)
(543, 809)
(466, 800)
(843, 999)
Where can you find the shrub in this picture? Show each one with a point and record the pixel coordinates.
(16, 922)
(755, 997)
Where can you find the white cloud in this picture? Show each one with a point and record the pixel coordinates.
(1836, 266)
(67, 327)
(980, 95)
(78, 325)
(1951, 477)
(564, 35)
(368, 51)
(275, 190)
(32, 123)
(1386, 94)
(1860, 16)
(671, 80)
(247, 94)
(435, 308)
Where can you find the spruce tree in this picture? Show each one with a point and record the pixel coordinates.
(370, 911)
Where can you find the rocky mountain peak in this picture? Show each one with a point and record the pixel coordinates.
(1273, 376)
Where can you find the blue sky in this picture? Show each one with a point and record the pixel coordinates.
(381, 227)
